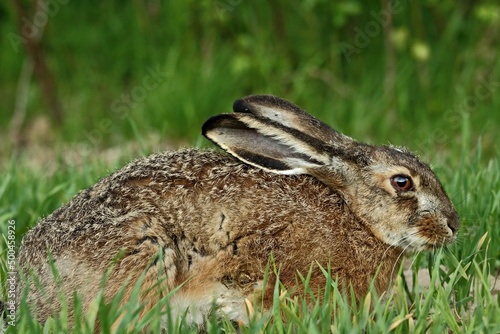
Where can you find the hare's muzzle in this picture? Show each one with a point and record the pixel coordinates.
(439, 229)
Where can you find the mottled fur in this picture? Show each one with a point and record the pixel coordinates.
(215, 220)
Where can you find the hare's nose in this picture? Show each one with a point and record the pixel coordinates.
(452, 228)
(453, 222)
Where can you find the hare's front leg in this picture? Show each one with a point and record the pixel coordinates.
(162, 262)
(214, 284)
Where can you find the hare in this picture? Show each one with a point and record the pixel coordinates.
(292, 187)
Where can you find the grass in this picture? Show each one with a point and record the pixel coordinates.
(459, 297)
(441, 102)
(435, 310)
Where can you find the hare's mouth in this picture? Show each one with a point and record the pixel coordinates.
(436, 232)
(418, 244)
(424, 239)
(440, 242)
(431, 246)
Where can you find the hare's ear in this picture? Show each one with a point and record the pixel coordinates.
(266, 144)
(288, 114)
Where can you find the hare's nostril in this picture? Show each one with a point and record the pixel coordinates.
(453, 222)
(452, 226)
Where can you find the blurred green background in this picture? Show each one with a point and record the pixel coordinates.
(429, 78)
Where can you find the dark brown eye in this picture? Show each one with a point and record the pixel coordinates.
(402, 183)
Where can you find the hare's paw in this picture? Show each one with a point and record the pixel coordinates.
(198, 302)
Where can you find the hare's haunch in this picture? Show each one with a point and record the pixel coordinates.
(292, 187)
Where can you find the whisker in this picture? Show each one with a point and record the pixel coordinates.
(412, 263)
(400, 242)
(399, 256)
(415, 258)
(393, 245)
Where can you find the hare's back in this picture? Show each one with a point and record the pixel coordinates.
(188, 199)
(212, 198)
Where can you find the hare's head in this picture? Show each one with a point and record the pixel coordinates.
(395, 195)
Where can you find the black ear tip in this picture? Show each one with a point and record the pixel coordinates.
(210, 124)
(251, 102)
(221, 121)
(241, 105)
(205, 127)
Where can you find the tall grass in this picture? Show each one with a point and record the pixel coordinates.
(212, 52)
(441, 101)
(436, 309)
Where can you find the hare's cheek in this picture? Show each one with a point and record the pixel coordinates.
(390, 235)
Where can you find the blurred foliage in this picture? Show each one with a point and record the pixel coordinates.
(216, 51)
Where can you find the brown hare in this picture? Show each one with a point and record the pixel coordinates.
(291, 187)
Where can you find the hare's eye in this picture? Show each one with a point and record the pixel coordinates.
(402, 183)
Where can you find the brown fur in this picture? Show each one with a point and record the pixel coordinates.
(216, 220)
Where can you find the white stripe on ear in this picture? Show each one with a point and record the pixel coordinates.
(290, 115)
(265, 144)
